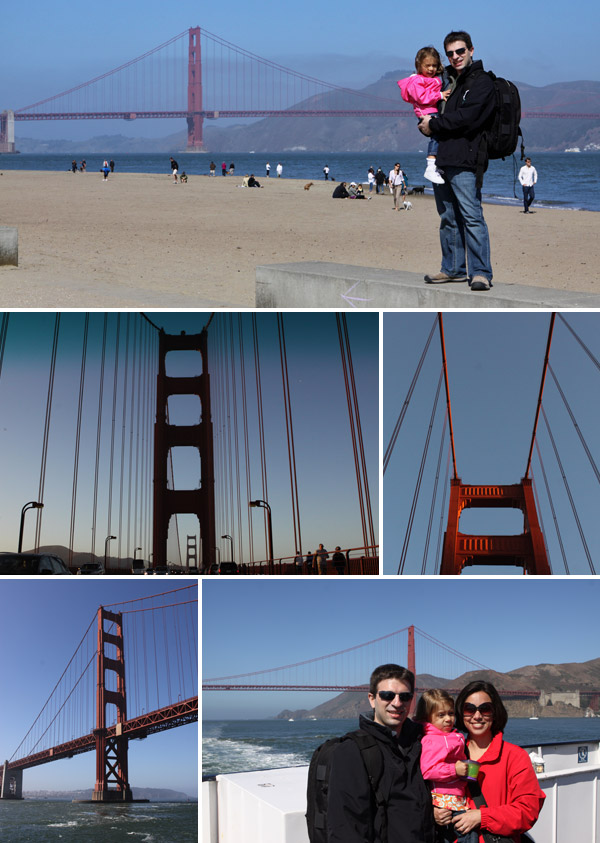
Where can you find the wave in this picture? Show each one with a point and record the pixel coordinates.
(228, 756)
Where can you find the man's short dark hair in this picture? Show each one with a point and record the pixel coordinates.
(500, 717)
(459, 35)
(391, 671)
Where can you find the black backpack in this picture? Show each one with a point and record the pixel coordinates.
(502, 136)
(318, 783)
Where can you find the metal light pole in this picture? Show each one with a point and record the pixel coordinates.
(106, 541)
(30, 505)
(231, 540)
(134, 552)
(266, 506)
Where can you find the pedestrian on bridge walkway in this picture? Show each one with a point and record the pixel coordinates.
(322, 557)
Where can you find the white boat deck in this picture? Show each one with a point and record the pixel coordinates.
(269, 806)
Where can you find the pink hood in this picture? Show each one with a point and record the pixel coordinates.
(439, 753)
(422, 92)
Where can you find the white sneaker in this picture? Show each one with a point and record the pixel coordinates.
(433, 174)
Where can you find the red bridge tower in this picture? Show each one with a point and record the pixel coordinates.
(195, 120)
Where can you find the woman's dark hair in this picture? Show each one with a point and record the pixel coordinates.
(459, 35)
(391, 671)
(500, 716)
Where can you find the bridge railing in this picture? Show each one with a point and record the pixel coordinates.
(356, 561)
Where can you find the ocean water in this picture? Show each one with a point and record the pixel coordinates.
(565, 180)
(69, 822)
(230, 746)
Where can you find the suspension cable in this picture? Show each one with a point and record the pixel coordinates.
(576, 426)
(552, 509)
(99, 433)
(289, 427)
(445, 369)
(442, 511)
(38, 525)
(539, 403)
(568, 490)
(86, 326)
(419, 480)
(434, 495)
(581, 343)
(399, 421)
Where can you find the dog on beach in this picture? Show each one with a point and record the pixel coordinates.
(407, 205)
(420, 189)
(308, 186)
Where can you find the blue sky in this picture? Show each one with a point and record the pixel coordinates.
(494, 367)
(44, 621)
(344, 43)
(325, 465)
(279, 622)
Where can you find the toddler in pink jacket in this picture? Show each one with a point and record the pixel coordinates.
(424, 90)
(443, 758)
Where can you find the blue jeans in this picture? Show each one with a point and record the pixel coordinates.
(464, 236)
(450, 834)
(432, 147)
(528, 197)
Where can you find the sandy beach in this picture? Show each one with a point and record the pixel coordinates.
(140, 241)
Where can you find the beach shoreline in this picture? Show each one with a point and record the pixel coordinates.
(138, 240)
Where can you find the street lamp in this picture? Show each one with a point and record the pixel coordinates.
(30, 505)
(134, 552)
(231, 540)
(106, 541)
(266, 506)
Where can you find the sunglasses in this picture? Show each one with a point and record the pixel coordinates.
(388, 696)
(485, 709)
(460, 52)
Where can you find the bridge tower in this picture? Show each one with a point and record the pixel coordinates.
(7, 131)
(111, 751)
(201, 501)
(195, 121)
(526, 550)
(191, 557)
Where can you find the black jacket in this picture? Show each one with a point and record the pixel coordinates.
(340, 192)
(351, 804)
(466, 115)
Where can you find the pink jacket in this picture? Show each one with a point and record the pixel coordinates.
(439, 753)
(423, 92)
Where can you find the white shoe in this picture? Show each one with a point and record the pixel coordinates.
(433, 174)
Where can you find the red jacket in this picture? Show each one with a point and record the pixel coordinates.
(510, 788)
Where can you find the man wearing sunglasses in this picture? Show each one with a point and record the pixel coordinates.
(464, 234)
(399, 811)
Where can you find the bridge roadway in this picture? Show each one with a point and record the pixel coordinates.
(526, 694)
(255, 112)
(178, 714)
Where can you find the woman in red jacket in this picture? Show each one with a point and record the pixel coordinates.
(513, 797)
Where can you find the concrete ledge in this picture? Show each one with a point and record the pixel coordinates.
(317, 284)
(9, 246)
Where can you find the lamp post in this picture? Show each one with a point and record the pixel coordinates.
(266, 506)
(106, 541)
(135, 550)
(231, 540)
(30, 505)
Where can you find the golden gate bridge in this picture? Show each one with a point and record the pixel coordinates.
(134, 673)
(225, 443)
(199, 76)
(438, 664)
(556, 494)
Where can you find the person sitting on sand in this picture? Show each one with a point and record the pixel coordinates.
(252, 182)
(340, 192)
(183, 177)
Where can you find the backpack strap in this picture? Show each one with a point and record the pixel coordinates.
(373, 760)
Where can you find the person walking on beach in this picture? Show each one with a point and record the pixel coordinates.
(397, 186)
(174, 169)
(268, 170)
(371, 178)
(464, 236)
(326, 172)
(528, 177)
(74, 166)
(279, 170)
(213, 167)
(112, 165)
(379, 181)
(223, 169)
(105, 170)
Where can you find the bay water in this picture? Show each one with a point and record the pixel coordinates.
(71, 822)
(231, 746)
(565, 180)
